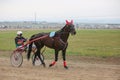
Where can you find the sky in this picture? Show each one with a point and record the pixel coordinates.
(59, 10)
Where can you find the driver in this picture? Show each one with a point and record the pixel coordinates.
(19, 39)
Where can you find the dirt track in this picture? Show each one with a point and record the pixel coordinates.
(80, 68)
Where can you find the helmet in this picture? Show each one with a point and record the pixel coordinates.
(19, 32)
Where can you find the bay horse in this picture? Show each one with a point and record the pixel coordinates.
(58, 43)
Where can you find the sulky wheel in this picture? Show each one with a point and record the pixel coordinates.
(16, 59)
(37, 60)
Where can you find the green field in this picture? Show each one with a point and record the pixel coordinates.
(99, 43)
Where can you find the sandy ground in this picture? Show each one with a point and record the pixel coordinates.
(80, 68)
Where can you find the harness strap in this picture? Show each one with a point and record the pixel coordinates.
(53, 42)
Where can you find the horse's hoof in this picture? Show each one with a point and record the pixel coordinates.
(44, 65)
(33, 64)
(50, 65)
(65, 67)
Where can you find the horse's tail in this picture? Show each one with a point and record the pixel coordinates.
(29, 49)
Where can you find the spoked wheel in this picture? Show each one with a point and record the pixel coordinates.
(16, 59)
(37, 59)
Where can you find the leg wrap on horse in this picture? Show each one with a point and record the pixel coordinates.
(64, 63)
(53, 63)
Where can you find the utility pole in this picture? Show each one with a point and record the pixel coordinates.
(35, 16)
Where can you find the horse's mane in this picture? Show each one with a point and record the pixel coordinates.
(61, 31)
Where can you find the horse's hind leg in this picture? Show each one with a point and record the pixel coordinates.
(41, 60)
(34, 58)
(34, 55)
(39, 55)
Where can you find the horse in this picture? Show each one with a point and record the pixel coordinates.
(59, 43)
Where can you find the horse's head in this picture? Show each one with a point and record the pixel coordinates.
(69, 27)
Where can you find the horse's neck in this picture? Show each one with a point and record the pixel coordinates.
(63, 35)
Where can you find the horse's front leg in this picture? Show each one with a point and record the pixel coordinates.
(64, 59)
(56, 58)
